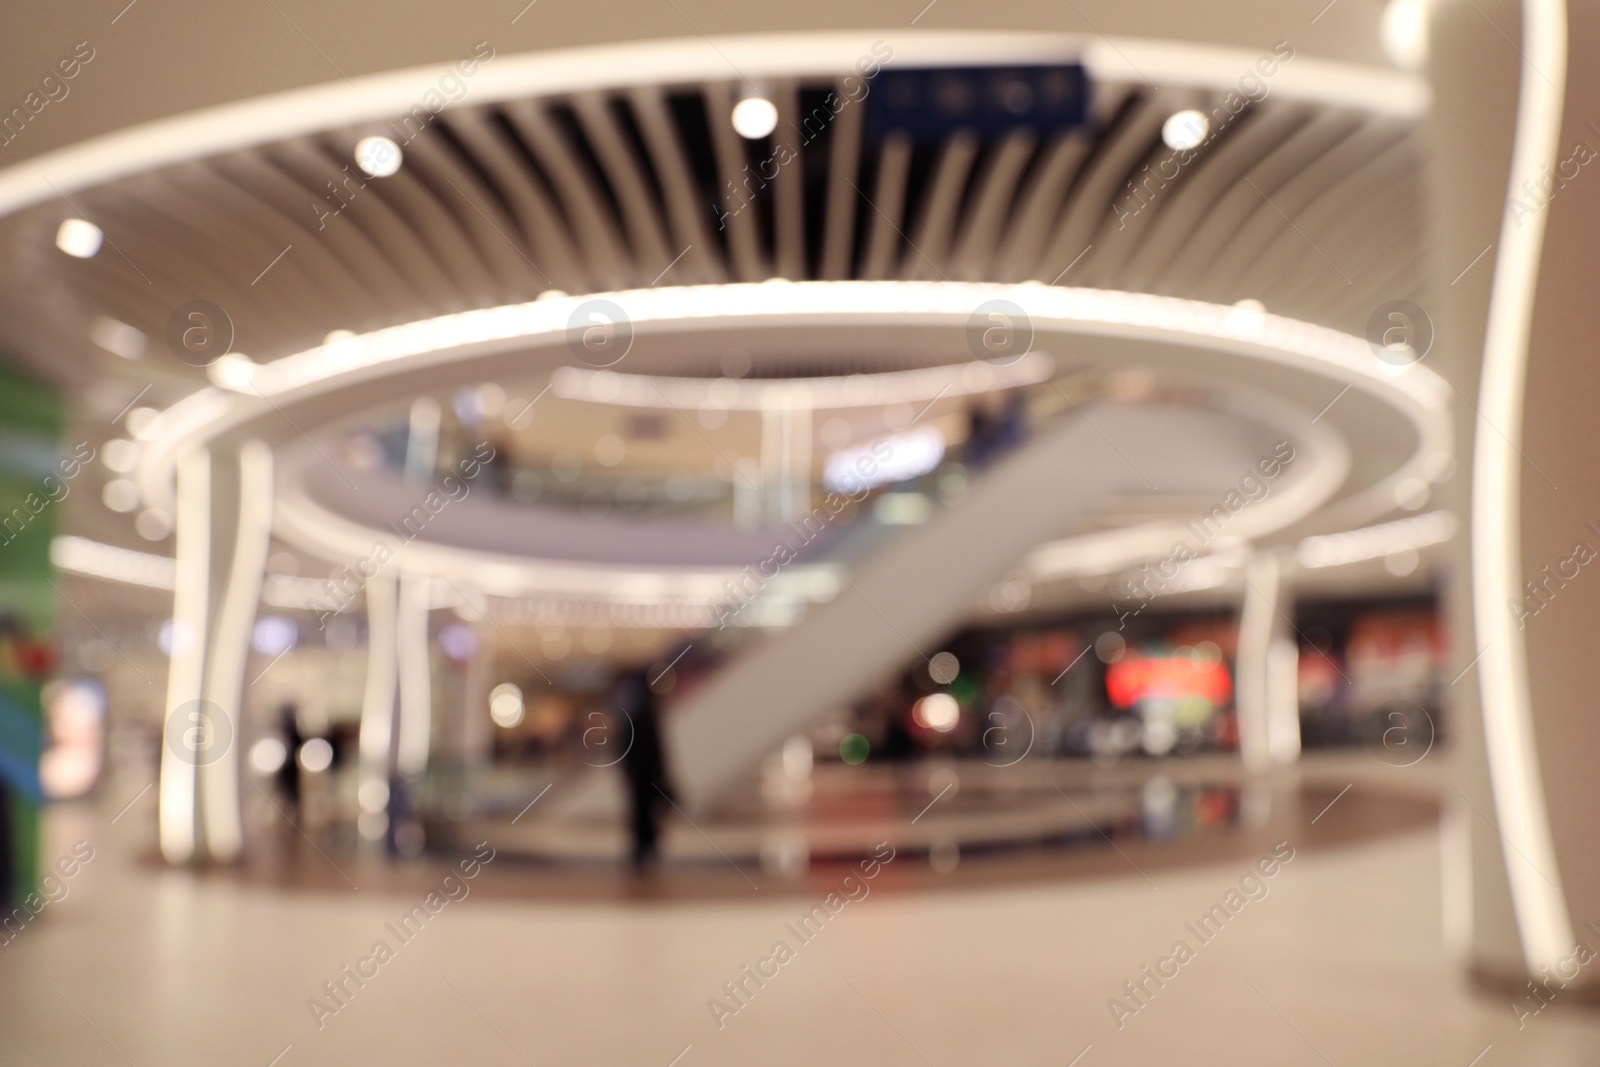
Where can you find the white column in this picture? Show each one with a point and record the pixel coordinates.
(376, 744)
(415, 675)
(223, 526)
(1257, 628)
(1511, 196)
(229, 647)
(180, 776)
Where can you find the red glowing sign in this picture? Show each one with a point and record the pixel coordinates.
(1135, 678)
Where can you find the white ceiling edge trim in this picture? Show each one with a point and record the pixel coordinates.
(378, 97)
(1543, 920)
(459, 338)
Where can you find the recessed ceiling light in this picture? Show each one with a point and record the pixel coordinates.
(754, 117)
(1185, 130)
(1404, 33)
(378, 156)
(79, 237)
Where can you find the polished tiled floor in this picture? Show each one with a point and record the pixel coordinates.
(1340, 963)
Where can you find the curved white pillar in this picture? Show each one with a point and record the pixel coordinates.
(377, 736)
(1516, 332)
(415, 675)
(223, 526)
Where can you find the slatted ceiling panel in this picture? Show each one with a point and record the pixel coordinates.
(1195, 261)
(580, 203)
(883, 215)
(291, 177)
(931, 224)
(639, 206)
(1370, 271)
(164, 267)
(1251, 247)
(1102, 179)
(1134, 206)
(440, 218)
(171, 244)
(843, 140)
(216, 239)
(539, 220)
(788, 199)
(1355, 257)
(495, 203)
(481, 217)
(1260, 250)
(992, 199)
(242, 185)
(686, 209)
(1215, 170)
(102, 288)
(1390, 277)
(1298, 279)
(739, 189)
(368, 282)
(1038, 202)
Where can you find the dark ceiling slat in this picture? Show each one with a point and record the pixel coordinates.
(882, 213)
(539, 219)
(744, 242)
(932, 234)
(1090, 199)
(1038, 203)
(844, 164)
(686, 210)
(996, 191)
(597, 233)
(646, 231)
(493, 233)
(789, 220)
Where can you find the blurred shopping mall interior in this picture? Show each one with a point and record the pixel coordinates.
(674, 532)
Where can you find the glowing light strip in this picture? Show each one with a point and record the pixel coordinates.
(1376, 542)
(380, 97)
(546, 322)
(1543, 921)
(93, 559)
(543, 323)
(757, 394)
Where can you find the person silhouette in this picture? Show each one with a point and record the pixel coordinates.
(644, 763)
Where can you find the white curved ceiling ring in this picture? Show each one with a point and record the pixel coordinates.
(347, 367)
(382, 96)
(319, 531)
(541, 327)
